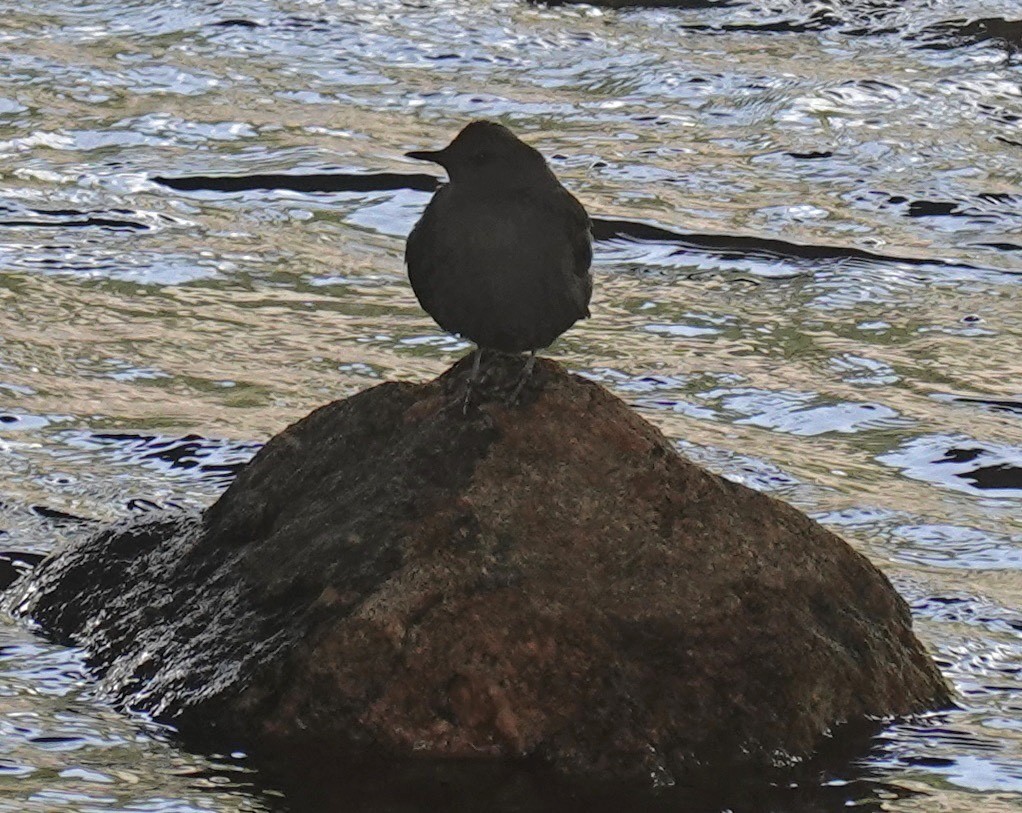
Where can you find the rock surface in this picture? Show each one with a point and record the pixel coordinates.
(394, 576)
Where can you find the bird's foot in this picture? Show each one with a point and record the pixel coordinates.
(477, 359)
(523, 379)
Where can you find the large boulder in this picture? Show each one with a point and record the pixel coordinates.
(398, 576)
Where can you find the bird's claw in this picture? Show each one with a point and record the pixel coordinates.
(523, 379)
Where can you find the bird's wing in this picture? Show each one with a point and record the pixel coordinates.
(421, 252)
(566, 208)
(582, 246)
(580, 229)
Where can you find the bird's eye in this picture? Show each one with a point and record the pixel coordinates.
(481, 157)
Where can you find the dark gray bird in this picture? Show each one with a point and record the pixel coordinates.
(501, 255)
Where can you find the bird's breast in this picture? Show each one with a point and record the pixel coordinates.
(503, 234)
(498, 269)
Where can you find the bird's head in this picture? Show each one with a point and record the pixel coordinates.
(487, 154)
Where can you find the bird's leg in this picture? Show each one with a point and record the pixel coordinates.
(477, 359)
(530, 362)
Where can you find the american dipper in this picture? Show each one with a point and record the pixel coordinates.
(501, 255)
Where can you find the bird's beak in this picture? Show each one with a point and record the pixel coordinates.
(435, 156)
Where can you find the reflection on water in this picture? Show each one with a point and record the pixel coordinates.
(809, 274)
(61, 750)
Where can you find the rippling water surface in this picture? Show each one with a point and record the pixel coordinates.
(817, 291)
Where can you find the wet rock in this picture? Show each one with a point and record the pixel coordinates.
(392, 576)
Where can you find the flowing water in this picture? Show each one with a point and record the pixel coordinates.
(809, 274)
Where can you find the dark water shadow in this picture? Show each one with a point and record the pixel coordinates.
(851, 18)
(992, 404)
(308, 183)
(70, 219)
(237, 22)
(207, 459)
(319, 779)
(960, 462)
(29, 531)
(999, 476)
(14, 564)
(604, 229)
(744, 246)
(950, 34)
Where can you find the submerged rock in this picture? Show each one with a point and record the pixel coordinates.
(393, 576)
